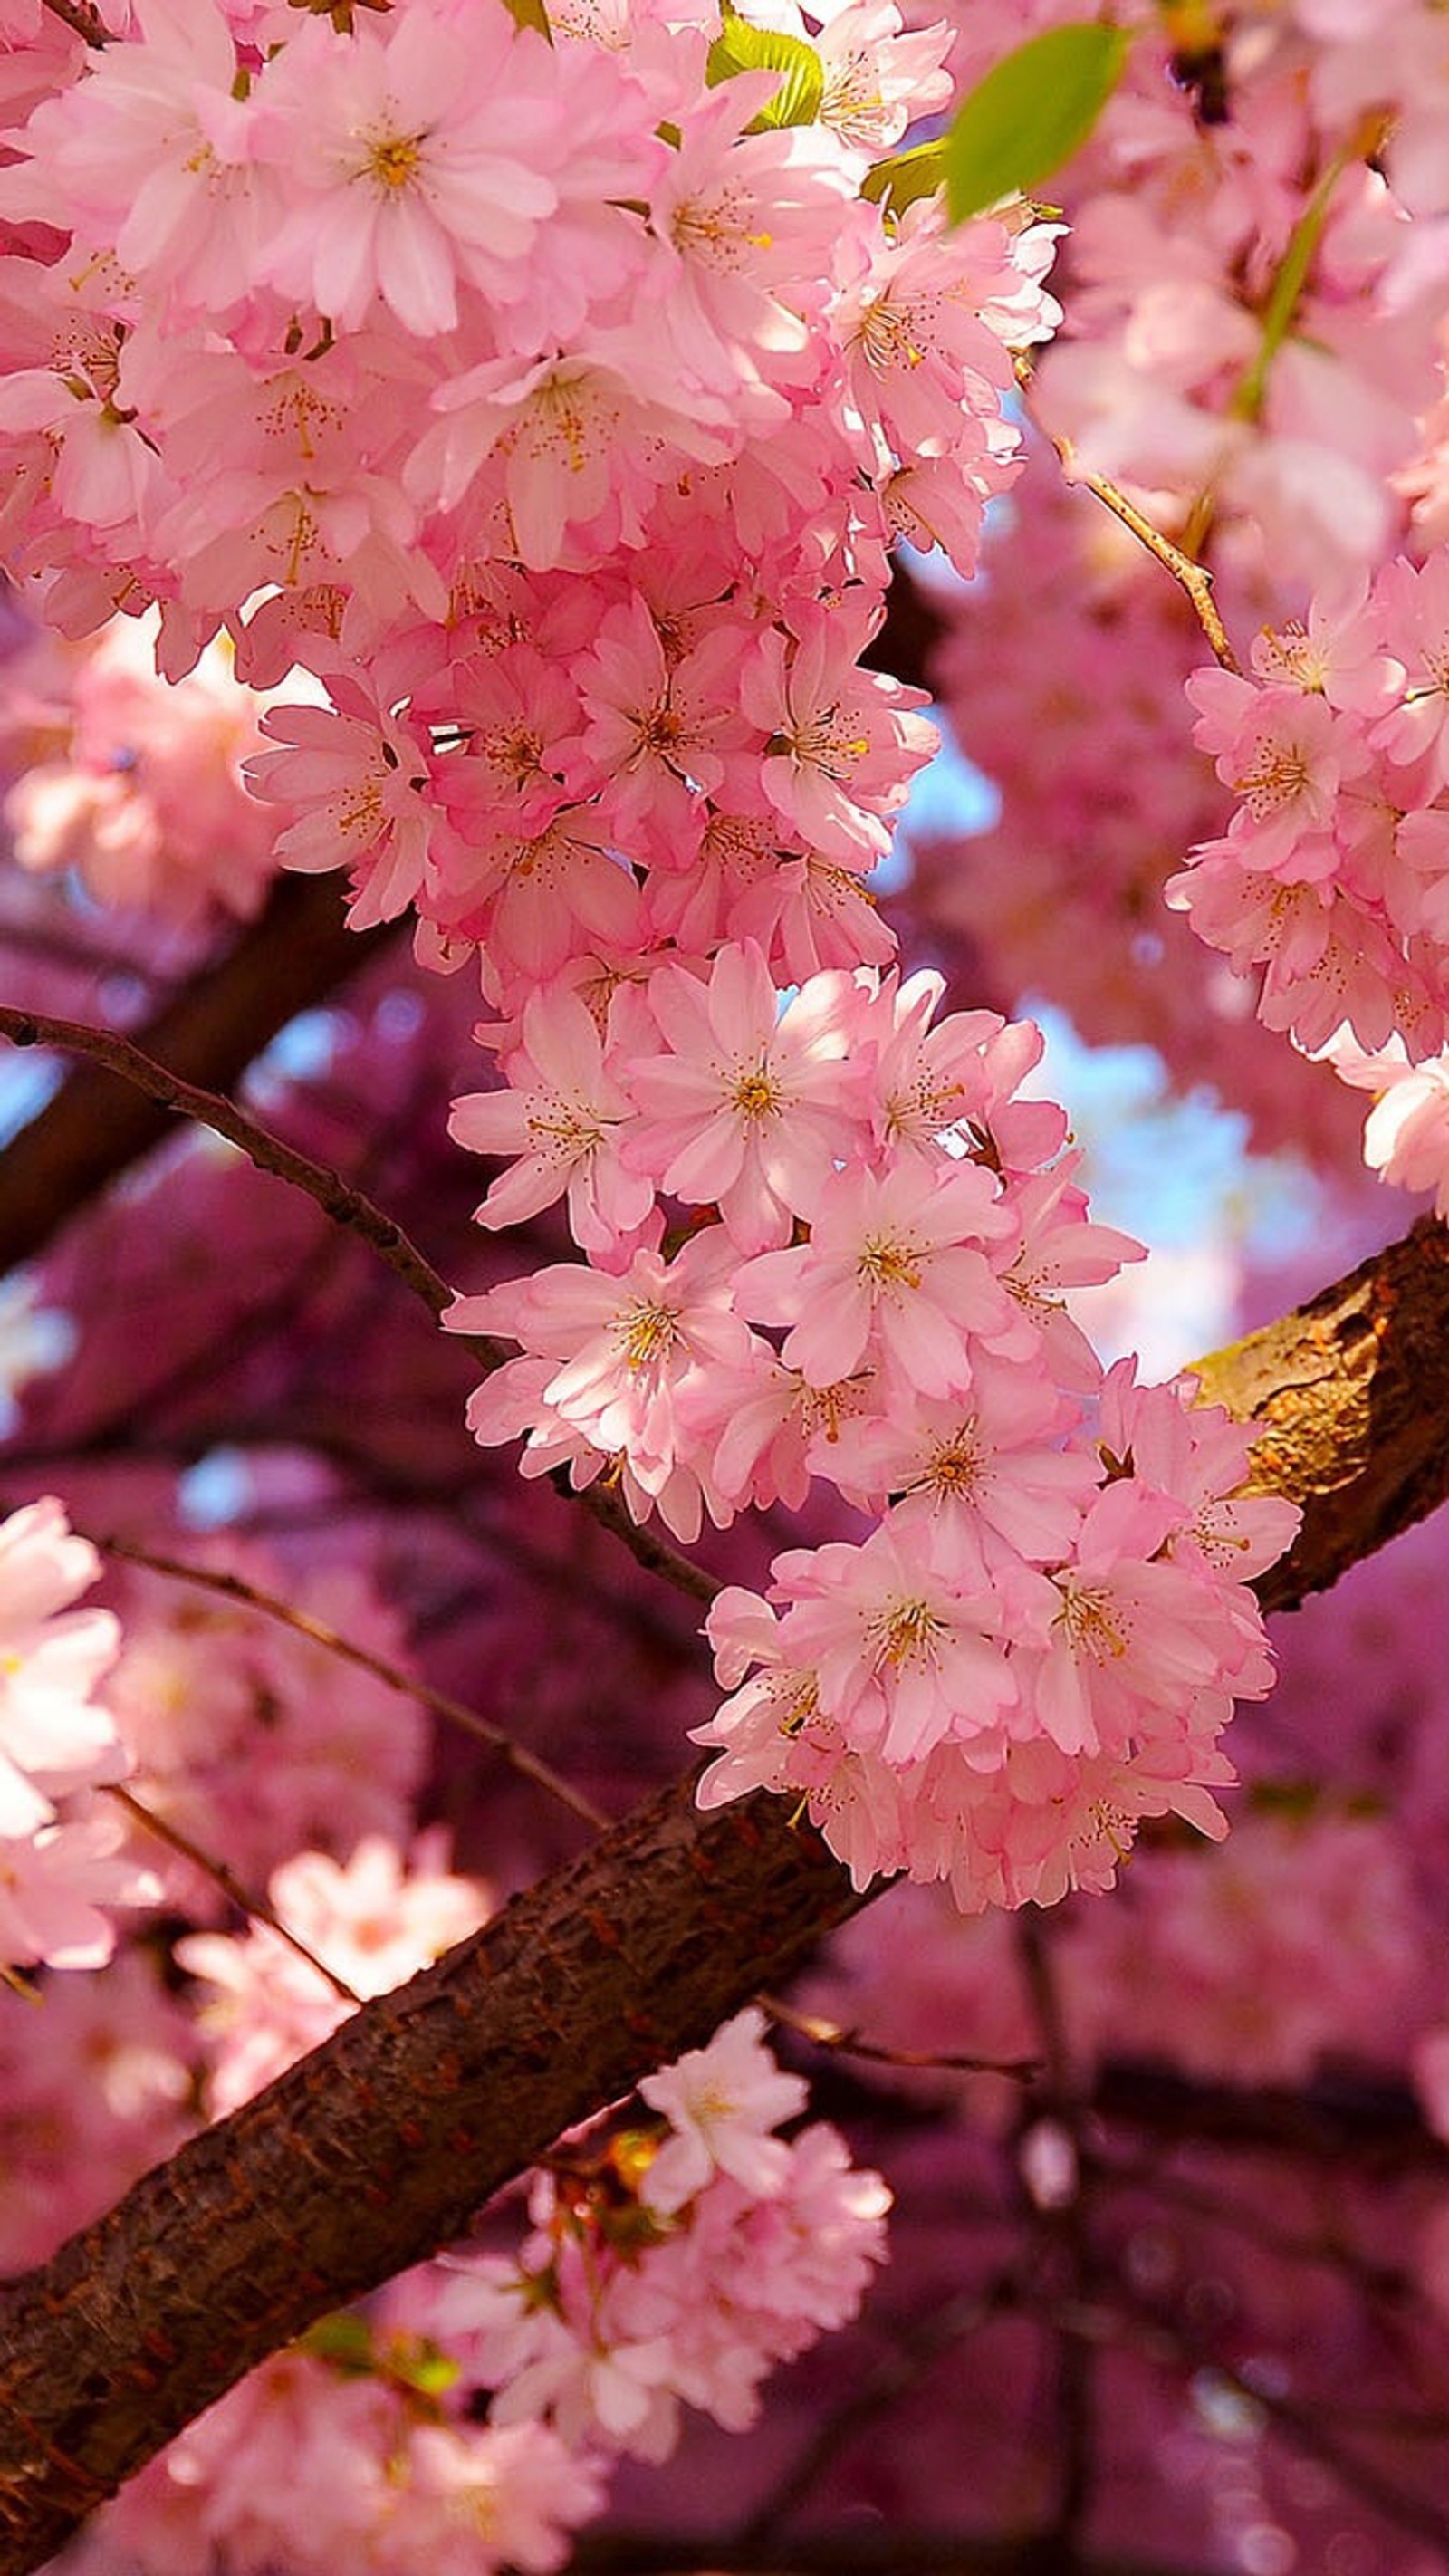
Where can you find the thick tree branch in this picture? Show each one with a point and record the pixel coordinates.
(380, 2145)
(1351, 1397)
(375, 2149)
(97, 1126)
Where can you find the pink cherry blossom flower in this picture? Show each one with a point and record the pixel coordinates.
(879, 74)
(1286, 755)
(1406, 1134)
(53, 1737)
(986, 1466)
(899, 1266)
(57, 1885)
(1132, 1632)
(656, 726)
(361, 777)
(752, 1107)
(1196, 1456)
(475, 2499)
(624, 1349)
(843, 742)
(373, 1920)
(415, 152)
(562, 1115)
(1062, 1247)
(584, 441)
(722, 2102)
(1413, 605)
(154, 151)
(749, 227)
(904, 1635)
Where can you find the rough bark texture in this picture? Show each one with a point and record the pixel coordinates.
(374, 2150)
(379, 2146)
(96, 1127)
(1351, 1396)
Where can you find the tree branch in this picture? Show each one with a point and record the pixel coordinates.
(97, 1126)
(377, 2148)
(1350, 1394)
(338, 1199)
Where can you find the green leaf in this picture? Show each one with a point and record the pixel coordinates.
(898, 182)
(1034, 109)
(741, 47)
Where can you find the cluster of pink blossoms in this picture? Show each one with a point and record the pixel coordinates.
(679, 2267)
(1331, 884)
(1071, 632)
(1255, 334)
(349, 2450)
(373, 1921)
(61, 1858)
(136, 785)
(560, 407)
(249, 1738)
(674, 2265)
(1042, 1637)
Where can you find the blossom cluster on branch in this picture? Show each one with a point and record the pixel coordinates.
(506, 435)
(648, 439)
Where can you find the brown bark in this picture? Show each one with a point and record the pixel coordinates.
(374, 2150)
(380, 2145)
(1351, 1396)
(97, 1126)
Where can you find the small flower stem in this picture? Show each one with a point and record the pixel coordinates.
(231, 1888)
(233, 1587)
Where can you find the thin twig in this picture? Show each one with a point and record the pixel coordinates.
(348, 1207)
(1191, 576)
(234, 1587)
(337, 1199)
(1185, 569)
(849, 2043)
(231, 1887)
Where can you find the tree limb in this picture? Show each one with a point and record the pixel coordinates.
(1350, 1394)
(97, 1125)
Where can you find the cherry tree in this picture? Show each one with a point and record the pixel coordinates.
(543, 1249)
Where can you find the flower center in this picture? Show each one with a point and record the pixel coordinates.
(825, 743)
(563, 1133)
(956, 1465)
(1281, 774)
(756, 1095)
(905, 1632)
(884, 336)
(888, 1262)
(648, 1334)
(1090, 1618)
(392, 161)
